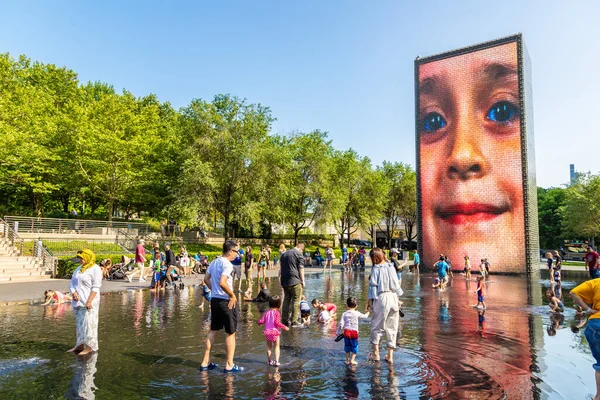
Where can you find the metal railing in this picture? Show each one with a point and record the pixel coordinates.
(128, 242)
(63, 247)
(12, 237)
(47, 260)
(70, 226)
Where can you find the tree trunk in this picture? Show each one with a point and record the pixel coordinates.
(111, 208)
(296, 231)
(65, 202)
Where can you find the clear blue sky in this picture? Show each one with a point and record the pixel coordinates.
(345, 67)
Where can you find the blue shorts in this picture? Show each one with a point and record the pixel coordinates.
(350, 345)
(480, 298)
(592, 334)
(157, 277)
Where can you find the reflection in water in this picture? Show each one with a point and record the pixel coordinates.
(448, 348)
(82, 383)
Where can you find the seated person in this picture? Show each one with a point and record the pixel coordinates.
(318, 257)
(304, 310)
(331, 308)
(55, 297)
(263, 295)
(307, 260)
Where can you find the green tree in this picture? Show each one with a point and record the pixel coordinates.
(551, 204)
(356, 193)
(581, 212)
(400, 183)
(299, 179)
(226, 134)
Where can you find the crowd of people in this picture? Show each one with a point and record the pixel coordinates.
(291, 309)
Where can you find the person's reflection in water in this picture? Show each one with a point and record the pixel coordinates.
(384, 390)
(272, 385)
(82, 384)
(556, 320)
(56, 311)
(211, 386)
(481, 322)
(351, 384)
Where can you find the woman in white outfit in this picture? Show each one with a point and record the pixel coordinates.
(384, 290)
(85, 288)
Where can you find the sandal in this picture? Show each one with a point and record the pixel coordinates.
(209, 367)
(235, 368)
(370, 357)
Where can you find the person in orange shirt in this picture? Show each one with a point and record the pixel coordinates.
(587, 296)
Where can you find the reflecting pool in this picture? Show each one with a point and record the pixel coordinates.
(151, 346)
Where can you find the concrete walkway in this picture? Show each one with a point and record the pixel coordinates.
(30, 292)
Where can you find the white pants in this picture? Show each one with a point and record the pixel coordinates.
(385, 319)
(86, 325)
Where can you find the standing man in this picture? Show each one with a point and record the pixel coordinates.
(237, 266)
(140, 259)
(223, 313)
(592, 259)
(291, 275)
(442, 270)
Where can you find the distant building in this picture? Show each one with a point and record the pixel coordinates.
(573, 174)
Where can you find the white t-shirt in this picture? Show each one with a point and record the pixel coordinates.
(220, 266)
(349, 320)
(324, 316)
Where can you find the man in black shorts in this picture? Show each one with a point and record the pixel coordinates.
(223, 313)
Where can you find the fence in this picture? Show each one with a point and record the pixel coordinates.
(37, 249)
(12, 237)
(64, 247)
(62, 225)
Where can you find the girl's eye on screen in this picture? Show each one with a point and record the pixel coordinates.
(503, 112)
(433, 122)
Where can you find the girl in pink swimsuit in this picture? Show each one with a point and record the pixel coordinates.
(272, 322)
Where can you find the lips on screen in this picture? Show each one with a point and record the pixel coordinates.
(470, 152)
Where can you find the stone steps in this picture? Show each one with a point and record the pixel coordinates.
(24, 278)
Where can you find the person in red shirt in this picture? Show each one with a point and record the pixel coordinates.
(140, 259)
(592, 259)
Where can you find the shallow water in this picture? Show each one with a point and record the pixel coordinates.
(151, 347)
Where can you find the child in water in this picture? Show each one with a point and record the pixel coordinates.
(554, 302)
(304, 310)
(55, 297)
(206, 293)
(324, 315)
(349, 327)
(272, 322)
(480, 291)
(330, 307)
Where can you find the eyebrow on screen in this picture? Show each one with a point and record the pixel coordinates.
(496, 71)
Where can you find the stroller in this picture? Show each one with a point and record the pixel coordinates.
(119, 271)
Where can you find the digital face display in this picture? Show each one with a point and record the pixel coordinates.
(470, 147)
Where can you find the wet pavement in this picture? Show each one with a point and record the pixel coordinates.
(151, 346)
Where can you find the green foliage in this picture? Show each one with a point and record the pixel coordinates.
(84, 146)
(581, 210)
(550, 215)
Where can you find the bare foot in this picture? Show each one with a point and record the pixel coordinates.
(75, 349)
(354, 362)
(87, 350)
(347, 362)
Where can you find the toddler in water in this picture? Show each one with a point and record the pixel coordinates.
(272, 322)
(55, 297)
(349, 327)
(304, 310)
(206, 293)
(324, 315)
(554, 302)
